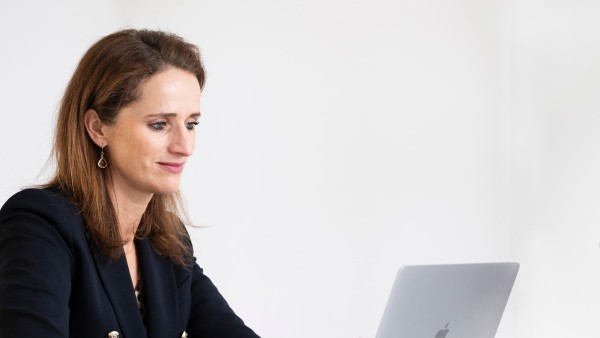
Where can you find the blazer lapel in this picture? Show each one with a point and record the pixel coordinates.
(117, 284)
(159, 290)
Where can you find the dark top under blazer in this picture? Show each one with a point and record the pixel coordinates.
(55, 283)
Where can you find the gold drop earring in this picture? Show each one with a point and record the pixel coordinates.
(102, 161)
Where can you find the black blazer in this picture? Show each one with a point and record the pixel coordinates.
(55, 283)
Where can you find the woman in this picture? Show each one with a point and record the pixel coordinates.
(101, 250)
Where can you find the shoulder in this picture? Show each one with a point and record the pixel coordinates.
(32, 195)
(36, 208)
(47, 202)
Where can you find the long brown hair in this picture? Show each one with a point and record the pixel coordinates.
(107, 79)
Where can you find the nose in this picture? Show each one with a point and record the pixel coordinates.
(182, 141)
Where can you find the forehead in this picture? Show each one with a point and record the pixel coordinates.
(170, 91)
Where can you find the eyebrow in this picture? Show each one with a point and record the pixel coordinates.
(165, 115)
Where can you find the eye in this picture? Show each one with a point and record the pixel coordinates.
(192, 125)
(158, 125)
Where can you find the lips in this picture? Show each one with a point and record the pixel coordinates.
(172, 167)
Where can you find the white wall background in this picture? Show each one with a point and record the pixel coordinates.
(340, 140)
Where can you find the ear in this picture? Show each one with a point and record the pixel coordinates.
(94, 127)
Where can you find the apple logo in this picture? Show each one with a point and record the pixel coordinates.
(443, 332)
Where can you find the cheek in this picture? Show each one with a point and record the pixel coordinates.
(193, 140)
(144, 152)
(135, 149)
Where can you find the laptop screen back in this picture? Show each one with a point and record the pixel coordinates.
(447, 301)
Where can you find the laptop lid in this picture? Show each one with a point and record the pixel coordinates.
(448, 301)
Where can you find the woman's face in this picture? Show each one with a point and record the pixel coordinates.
(153, 136)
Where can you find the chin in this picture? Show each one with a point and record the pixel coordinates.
(166, 189)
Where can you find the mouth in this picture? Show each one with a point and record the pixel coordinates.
(172, 167)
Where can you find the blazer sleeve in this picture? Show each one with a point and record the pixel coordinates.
(35, 267)
(211, 316)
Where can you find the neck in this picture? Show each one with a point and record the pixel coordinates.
(129, 209)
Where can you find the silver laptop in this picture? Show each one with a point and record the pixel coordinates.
(448, 301)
